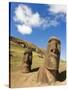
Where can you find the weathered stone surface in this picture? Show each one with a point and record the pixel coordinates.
(49, 72)
(46, 76)
(53, 54)
(27, 61)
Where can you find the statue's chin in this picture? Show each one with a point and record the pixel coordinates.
(53, 60)
(52, 63)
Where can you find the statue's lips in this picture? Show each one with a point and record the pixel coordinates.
(54, 54)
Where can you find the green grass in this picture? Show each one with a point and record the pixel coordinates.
(19, 79)
(37, 61)
(17, 57)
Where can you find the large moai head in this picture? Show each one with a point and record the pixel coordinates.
(27, 60)
(53, 53)
(48, 73)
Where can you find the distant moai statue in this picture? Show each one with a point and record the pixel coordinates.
(48, 73)
(27, 61)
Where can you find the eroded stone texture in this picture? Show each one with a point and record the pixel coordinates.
(27, 60)
(49, 72)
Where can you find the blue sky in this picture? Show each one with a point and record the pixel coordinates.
(36, 23)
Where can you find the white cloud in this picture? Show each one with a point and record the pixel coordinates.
(52, 23)
(25, 15)
(23, 29)
(27, 19)
(57, 9)
(59, 13)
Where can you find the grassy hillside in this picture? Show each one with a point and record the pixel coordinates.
(17, 48)
(25, 44)
(16, 53)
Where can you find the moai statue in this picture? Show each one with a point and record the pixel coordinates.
(49, 71)
(27, 61)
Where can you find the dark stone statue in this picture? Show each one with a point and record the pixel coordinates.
(27, 60)
(48, 73)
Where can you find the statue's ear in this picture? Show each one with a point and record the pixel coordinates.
(59, 47)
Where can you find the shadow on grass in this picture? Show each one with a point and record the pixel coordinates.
(62, 76)
(35, 69)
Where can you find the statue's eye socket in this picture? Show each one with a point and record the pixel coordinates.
(24, 53)
(51, 50)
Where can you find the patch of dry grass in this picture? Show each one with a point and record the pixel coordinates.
(19, 79)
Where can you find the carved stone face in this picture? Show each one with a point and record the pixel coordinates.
(27, 61)
(54, 48)
(53, 54)
(28, 58)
